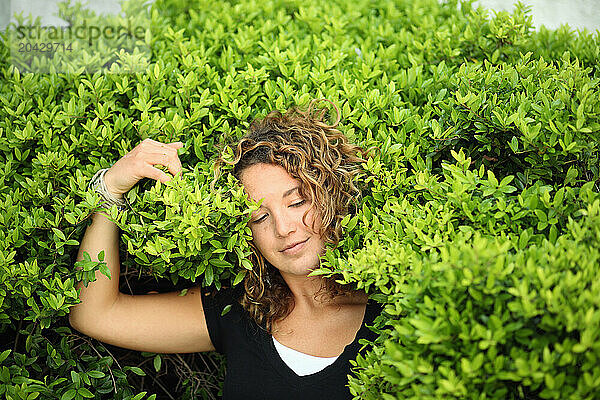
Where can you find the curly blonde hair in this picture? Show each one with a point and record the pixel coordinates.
(326, 164)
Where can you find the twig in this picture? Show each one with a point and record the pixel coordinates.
(113, 357)
(17, 337)
(109, 370)
(163, 388)
(184, 363)
(127, 279)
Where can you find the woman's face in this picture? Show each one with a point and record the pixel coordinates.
(278, 223)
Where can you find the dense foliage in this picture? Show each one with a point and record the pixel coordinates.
(479, 228)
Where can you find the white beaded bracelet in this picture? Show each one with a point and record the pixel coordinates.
(97, 183)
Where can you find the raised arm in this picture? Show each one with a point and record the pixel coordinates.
(158, 323)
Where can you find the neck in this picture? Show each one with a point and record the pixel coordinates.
(304, 289)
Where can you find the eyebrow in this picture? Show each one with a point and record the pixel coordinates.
(286, 194)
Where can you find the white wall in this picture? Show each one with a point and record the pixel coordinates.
(578, 14)
(48, 9)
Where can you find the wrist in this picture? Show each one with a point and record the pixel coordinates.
(119, 196)
(99, 185)
(109, 188)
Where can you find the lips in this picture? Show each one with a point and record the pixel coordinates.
(292, 246)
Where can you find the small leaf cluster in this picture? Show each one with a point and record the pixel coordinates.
(185, 229)
(426, 210)
(534, 119)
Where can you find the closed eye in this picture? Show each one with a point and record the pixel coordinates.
(298, 204)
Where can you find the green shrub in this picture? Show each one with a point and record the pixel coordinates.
(478, 228)
(532, 119)
(482, 318)
(486, 291)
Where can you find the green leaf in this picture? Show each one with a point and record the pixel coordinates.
(352, 223)
(85, 393)
(208, 275)
(4, 354)
(247, 264)
(157, 362)
(571, 175)
(68, 395)
(96, 374)
(70, 218)
(492, 178)
(226, 309)
(137, 371)
(239, 277)
(220, 263)
(103, 268)
(59, 233)
(75, 378)
(508, 179)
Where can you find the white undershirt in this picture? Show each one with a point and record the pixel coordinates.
(301, 363)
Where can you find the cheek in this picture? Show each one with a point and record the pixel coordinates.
(259, 238)
(313, 220)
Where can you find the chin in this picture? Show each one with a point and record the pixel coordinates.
(301, 267)
(311, 266)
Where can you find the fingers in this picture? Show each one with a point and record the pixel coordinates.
(177, 145)
(149, 145)
(157, 153)
(149, 141)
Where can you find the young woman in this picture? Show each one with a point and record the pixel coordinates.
(287, 335)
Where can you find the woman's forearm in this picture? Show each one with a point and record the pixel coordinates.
(101, 234)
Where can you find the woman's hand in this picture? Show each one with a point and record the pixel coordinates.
(139, 163)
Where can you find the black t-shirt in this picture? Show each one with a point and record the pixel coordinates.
(254, 368)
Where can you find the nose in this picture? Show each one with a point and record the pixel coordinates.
(284, 224)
